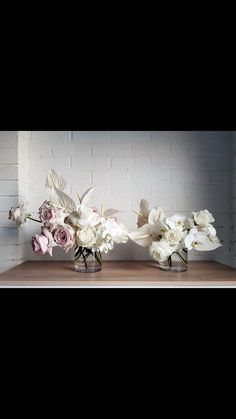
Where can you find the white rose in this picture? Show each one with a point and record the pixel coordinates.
(203, 218)
(176, 221)
(173, 237)
(85, 237)
(160, 251)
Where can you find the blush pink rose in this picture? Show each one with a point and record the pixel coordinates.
(64, 237)
(41, 244)
(50, 215)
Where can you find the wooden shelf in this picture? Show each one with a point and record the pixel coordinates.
(118, 273)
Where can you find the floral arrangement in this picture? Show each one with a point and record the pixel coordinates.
(165, 236)
(66, 225)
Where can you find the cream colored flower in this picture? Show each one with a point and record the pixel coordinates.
(156, 215)
(160, 251)
(19, 214)
(201, 240)
(203, 218)
(86, 237)
(173, 237)
(87, 217)
(176, 221)
(145, 235)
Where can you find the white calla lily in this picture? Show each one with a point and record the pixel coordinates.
(203, 218)
(156, 215)
(85, 198)
(199, 240)
(142, 236)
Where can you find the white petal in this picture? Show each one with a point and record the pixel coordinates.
(142, 236)
(211, 230)
(55, 181)
(207, 246)
(156, 214)
(144, 208)
(110, 212)
(61, 200)
(86, 196)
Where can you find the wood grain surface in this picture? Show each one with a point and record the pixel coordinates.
(118, 273)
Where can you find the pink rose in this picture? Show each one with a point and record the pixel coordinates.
(43, 243)
(40, 244)
(50, 215)
(64, 237)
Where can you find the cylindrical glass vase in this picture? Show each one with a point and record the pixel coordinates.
(177, 262)
(87, 261)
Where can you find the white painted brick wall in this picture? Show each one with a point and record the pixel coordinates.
(181, 171)
(232, 232)
(14, 166)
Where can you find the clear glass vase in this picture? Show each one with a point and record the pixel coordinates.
(177, 262)
(87, 261)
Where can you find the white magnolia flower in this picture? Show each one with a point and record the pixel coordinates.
(201, 240)
(173, 237)
(203, 218)
(161, 250)
(176, 222)
(86, 237)
(87, 217)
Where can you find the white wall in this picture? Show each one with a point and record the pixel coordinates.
(13, 190)
(232, 234)
(181, 171)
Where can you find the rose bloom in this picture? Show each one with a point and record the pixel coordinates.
(50, 215)
(64, 237)
(19, 214)
(203, 218)
(43, 244)
(86, 237)
(160, 251)
(173, 237)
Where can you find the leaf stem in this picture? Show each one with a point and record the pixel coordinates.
(33, 219)
(86, 266)
(177, 253)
